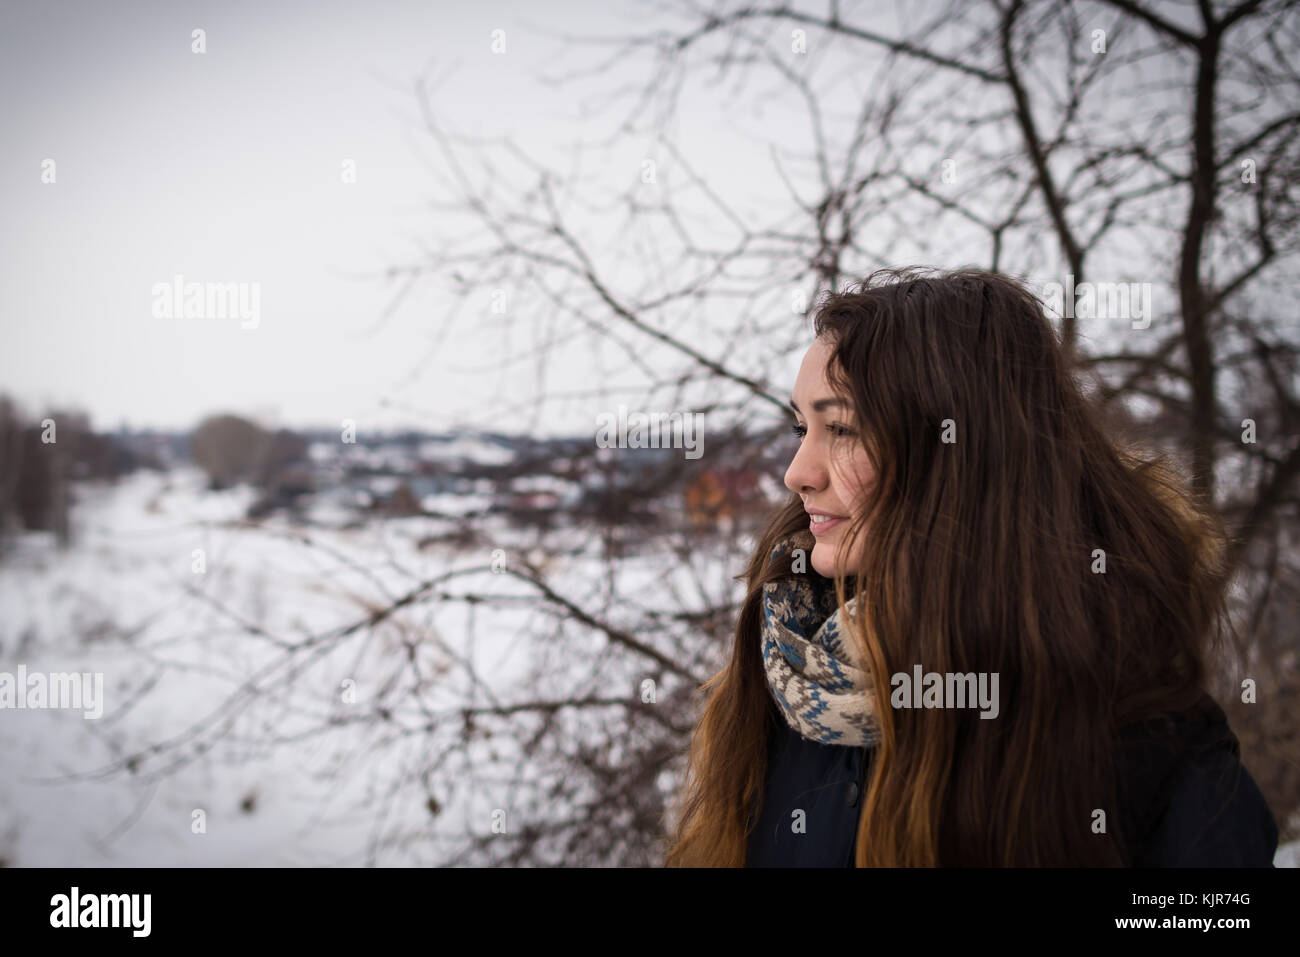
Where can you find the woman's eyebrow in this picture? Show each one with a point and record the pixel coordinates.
(821, 405)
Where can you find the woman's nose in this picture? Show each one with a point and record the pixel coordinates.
(806, 473)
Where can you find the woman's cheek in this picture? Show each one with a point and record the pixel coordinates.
(853, 478)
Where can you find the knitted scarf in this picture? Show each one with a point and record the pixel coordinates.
(814, 673)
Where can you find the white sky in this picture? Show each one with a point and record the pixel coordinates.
(225, 167)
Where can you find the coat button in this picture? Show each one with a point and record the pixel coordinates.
(851, 796)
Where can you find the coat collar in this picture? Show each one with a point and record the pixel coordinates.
(1151, 752)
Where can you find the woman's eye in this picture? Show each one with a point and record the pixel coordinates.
(834, 428)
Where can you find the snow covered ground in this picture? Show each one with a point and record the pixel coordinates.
(178, 611)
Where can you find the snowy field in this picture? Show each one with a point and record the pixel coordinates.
(297, 775)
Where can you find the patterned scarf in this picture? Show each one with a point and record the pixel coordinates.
(815, 676)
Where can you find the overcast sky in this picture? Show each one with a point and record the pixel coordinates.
(225, 166)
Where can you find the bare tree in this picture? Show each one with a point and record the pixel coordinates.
(1104, 140)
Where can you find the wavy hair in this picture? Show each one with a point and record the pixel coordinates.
(985, 555)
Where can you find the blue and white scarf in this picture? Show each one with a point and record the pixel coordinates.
(814, 672)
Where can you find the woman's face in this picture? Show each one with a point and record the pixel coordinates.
(831, 471)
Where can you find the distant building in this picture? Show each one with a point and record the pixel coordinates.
(722, 493)
(402, 501)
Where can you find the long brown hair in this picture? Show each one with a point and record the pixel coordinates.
(997, 485)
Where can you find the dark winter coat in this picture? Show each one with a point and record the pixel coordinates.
(1186, 799)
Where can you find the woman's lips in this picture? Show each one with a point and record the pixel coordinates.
(821, 528)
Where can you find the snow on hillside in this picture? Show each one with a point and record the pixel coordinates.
(127, 601)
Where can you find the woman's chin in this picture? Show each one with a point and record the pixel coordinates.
(823, 560)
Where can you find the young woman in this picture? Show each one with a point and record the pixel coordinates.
(977, 634)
